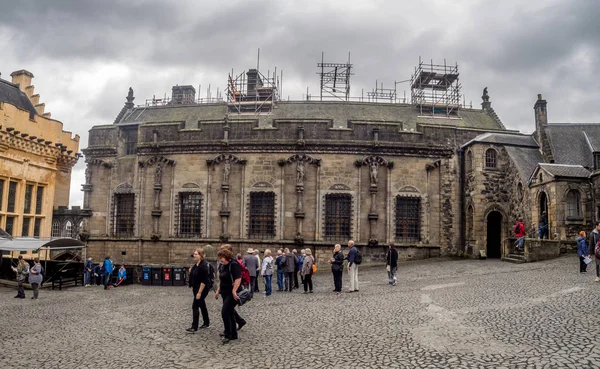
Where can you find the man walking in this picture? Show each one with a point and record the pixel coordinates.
(594, 238)
(352, 267)
(392, 264)
(88, 271)
(108, 269)
(290, 263)
(251, 263)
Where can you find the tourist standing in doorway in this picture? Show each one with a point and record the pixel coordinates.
(337, 267)
(267, 271)
(593, 246)
(35, 277)
(251, 263)
(582, 252)
(307, 271)
(229, 283)
(108, 270)
(392, 264)
(22, 271)
(87, 271)
(280, 272)
(352, 267)
(200, 282)
(543, 226)
(290, 263)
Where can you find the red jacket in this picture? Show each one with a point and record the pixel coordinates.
(519, 229)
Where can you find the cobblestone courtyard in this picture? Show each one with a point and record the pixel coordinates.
(442, 314)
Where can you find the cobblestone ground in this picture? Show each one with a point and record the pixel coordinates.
(442, 314)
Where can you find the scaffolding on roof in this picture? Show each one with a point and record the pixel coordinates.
(335, 79)
(435, 89)
(252, 92)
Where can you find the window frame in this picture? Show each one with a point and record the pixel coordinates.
(12, 203)
(403, 223)
(573, 202)
(28, 198)
(261, 211)
(195, 219)
(491, 159)
(124, 222)
(340, 224)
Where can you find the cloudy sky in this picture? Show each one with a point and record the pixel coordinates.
(85, 54)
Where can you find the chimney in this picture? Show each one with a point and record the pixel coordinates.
(254, 82)
(541, 122)
(541, 115)
(183, 95)
(22, 78)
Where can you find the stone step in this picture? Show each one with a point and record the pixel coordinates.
(516, 259)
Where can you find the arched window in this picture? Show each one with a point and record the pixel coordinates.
(573, 206)
(56, 228)
(69, 229)
(469, 161)
(491, 158)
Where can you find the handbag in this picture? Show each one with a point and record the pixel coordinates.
(387, 267)
(244, 294)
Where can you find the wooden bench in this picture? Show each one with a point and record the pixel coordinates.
(66, 280)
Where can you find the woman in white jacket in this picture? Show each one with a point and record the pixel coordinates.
(267, 271)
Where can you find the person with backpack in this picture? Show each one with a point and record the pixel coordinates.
(35, 277)
(245, 273)
(354, 259)
(267, 271)
(337, 268)
(307, 271)
(392, 264)
(22, 271)
(594, 240)
(582, 252)
(202, 278)
(280, 272)
(519, 231)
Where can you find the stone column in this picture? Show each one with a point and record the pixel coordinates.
(156, 211)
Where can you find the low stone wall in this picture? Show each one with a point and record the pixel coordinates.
(538, 250)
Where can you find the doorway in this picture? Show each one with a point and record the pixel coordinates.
(494, 235)
(543, 203)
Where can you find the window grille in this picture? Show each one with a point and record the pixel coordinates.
(573, 208)
(491, 158)
(124, 215)
(1, 193)
(190, 214)
(28, 198)
(10, 224)
(39, 200)
(338, 216)
(130, 141)
(69, 229)
(37, 225)
(262, 215)
(56, 228)
(25, 230)
(12, 197)
(408, 222)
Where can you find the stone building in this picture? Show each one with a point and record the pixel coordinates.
(36, 159)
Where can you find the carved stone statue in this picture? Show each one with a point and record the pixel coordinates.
(130, 97)
(373, 171)
(158, 174)
(485, 97)
(226, 170)
(300, 172)
(88, 175)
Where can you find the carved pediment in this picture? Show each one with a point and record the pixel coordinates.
(299, 158)
(190, 185)
(221, 158)
(340, 187)
(156, 159)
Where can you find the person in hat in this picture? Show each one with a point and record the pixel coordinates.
(22, 271)
(251, 263)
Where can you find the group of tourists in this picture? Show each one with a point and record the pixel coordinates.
(34, 275)
(520, 231)
(588, 249)
(101, 274)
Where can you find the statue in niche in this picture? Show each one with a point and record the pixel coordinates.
(485, 95)
(373, 171)
(88, 175)
(158, 174)
(226, 170)
(300, 172)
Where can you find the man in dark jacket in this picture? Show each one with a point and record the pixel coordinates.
(297, 268)
(392, 264)
(290, 263)
(543, 225)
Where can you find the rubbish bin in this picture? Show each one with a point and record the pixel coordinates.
(146, 276)
(178, 276)
(166, 276)
(157, 276)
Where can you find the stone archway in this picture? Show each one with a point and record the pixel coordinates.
(543, 205)
(494, 235)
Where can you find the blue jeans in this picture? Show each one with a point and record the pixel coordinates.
(280, 277)
(86, 278)
(268, 279)
(543, 231)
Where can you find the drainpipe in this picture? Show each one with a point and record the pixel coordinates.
(461, 198)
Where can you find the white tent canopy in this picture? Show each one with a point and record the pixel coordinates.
(32, 244)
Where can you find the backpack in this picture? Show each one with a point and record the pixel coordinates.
(597, 250)
(518, 228)
(245, 274)
(211, 276)
(314, 268)
(358, 258)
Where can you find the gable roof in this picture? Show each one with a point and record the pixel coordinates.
(526, 159)
(574, 143)
(512, 139)
(565, 170)
(11, 94)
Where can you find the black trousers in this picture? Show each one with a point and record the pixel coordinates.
(228, 315)
(289, 281)
(337, 281)
(254, 284)
(307, 281)
(199, 305)
(296, 285)
(582, 265)
(597, 270)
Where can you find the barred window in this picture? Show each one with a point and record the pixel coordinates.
(25, 229)
(338, 216)
(10, 225)
(56, 228)
(573, 207)
(12, 197)
(1, 193)
(28, 198)
(408, 219)
(39, 200)
(124, 214)
(37, 225)
(190, 214)
(491, 158)
(262, 215)
(69, 229)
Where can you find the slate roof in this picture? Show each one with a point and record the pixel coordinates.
(10, 93)
(564, 170)
(339, 112)
(574, 143)
(515, 139)
(525, 159)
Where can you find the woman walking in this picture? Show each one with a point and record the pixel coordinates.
(582, 251)
(306, 272)
(200, 284)
(392, 264)
(22, 271)
(230, 280)
(267, 271)
(337, 266)
(35, 277)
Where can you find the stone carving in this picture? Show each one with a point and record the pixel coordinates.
(226, 170)
(373, 170)
(300, 172)
(485, 97)
(88, 175)
(158, 174)
(130, 97)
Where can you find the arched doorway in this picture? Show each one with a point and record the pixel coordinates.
(494, 235)
(543, 203)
